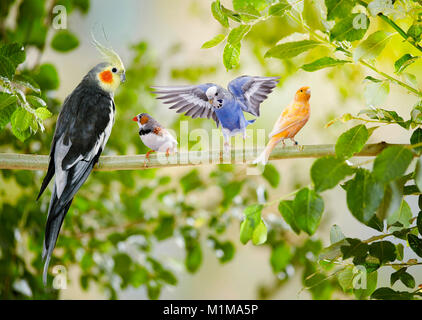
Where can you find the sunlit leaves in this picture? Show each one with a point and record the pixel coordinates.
(291, 49)
(339, 8)
(372, 46)
(328, 171)
(279, 8)
(415, 31)
(218, 14)
(214, 41)
(402, 215)
(64, 41)
(351, 141)
(352, 27)
(364, 195)
(271, 175)
(308, 208)
(392, 163)
(376, 91)
(237, 34)
(404, 61)
(231, 55)
(325, 62)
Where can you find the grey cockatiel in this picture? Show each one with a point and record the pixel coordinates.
(154, 135)
(82, 130)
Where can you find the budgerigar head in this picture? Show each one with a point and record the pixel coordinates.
(111, 72)
(303, 94)
(215, 96)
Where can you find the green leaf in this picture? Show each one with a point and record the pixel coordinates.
(291, 49)
(165, 227)
(250, 223)
(47, 77)
(218, 14)
(392, 163)
(364, 195)
(339, 8)
(43, 113)
(352, 27)
(14, 52)
(242, 4)
(415, 243)
(328, 171)
(415, 31)
(6, 99)
(352, 141)
(325, 62)
(406, 60)
(191, 181)
(389, 294)
(417, 138)
(271, 175)
(193, 257)
(345, 278)
(372, 47)
(259, 235)
(336, 234)
(419, 222)
(214, 41)
(280, 257)
(392, 200)
(21, 119)
(7, 69)
(403, 214)
(287, 211)
(279, 8)
(385, 251)
(355, 248)
(313, 15)
(64, 41)
(236, 35)
(376, 93)
(308, 208)
(231, 55)
(6, 114)
(405, 277)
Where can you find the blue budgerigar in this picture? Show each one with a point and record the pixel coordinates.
(225, 107)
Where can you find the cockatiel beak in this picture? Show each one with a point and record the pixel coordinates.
(135, 119)
(123, 77)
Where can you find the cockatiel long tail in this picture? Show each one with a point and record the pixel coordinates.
(293, 118)
(82, 130)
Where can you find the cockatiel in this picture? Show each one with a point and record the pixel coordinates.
(225, 107)
(154, 135)
(82, 130)
(293, 118)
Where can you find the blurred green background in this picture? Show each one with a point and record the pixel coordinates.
(173, 233)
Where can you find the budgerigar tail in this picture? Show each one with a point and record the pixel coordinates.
(265, 155)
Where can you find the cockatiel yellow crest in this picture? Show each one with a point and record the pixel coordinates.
(293, 118)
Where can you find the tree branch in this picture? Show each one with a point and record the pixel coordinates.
(192, 158)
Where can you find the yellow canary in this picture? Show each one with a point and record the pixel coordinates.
(293, 118)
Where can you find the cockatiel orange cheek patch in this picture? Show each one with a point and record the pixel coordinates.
(106, 76)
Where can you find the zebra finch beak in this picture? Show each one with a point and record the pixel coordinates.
(135, 119)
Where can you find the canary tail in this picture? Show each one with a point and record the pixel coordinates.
(265, 155)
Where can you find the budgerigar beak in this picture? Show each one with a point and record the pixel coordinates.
(135, 119)
(123, 77)
(211, 101)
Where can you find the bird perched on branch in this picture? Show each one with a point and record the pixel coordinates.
(82, 130)
(154, 135)
(225, 107)
(293, 118)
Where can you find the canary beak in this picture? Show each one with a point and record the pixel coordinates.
(308, 91)
(135, 119)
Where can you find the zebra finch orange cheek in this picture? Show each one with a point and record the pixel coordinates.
(106, 76)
